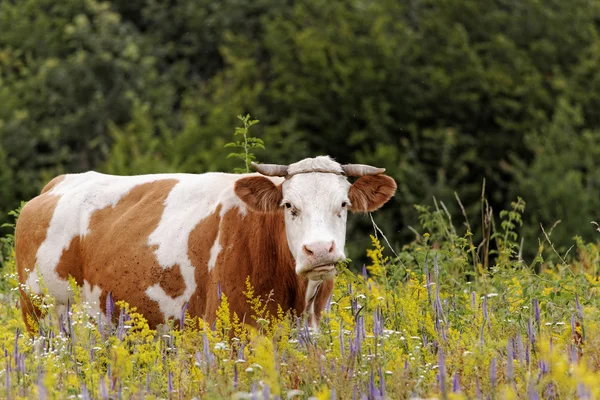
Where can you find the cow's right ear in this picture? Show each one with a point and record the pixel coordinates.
(259, 193)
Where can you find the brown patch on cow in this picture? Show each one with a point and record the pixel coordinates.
(116, 255)
(259, 193)
(371, 192)
(70, 262)
(172, 282)
(50, 185)
(31, 230)
(200, 242)
(253, 246)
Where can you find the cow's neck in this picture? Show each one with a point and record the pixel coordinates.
(255, 246)
(274, 265)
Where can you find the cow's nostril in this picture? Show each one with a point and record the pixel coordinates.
(307, 251)
(332, 248)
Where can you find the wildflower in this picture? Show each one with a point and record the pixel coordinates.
(102, 389)
(455, 383)
(183, 312)
(509, 359)
(536, 310)
(532, 394)
(442, 372)
(493, 372)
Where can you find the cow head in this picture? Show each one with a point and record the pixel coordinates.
(315, 197)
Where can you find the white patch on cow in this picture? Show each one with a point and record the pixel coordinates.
(309, 302)
(214, 252)
(33, 281)
(91, 297)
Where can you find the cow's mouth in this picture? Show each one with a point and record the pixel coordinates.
(321, 272)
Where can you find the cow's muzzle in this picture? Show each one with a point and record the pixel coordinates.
(321, 272)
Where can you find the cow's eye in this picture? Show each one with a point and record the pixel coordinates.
(344, 204)
(288, 205)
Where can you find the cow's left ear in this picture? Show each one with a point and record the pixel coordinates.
(370, 192)
(259, 193)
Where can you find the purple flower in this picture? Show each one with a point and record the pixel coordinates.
(583, 392)
(364, 272)
(544, 367)
(183, 312)
(509, 360)
(110, 307)
(254, 391)
(207, 353)
(102, 389)
(219, 291)
(574, 354)
(266, 392)
(42, 392)
(455, 383)
(85, 394)
(536, 311)
(442, 372)
(373, 394)
(530, 333)
(381, 382)
(473, 300)
(170, 382)
(520, 349)
(354, 305)
(532, 394)
(484, 308)
(235, 377)
(377, 325)
(493, 372)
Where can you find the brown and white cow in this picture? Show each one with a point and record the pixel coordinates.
(160, 241)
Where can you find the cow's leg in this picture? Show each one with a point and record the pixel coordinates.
(32, 313)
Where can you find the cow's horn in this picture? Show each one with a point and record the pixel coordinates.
(271, 169)
(361, 169)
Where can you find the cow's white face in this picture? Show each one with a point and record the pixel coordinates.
(316, 208)
(315, 198)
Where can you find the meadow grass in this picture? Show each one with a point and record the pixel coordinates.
(430, 321)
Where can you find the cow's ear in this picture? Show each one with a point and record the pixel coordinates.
(370, 192)
(259, 193)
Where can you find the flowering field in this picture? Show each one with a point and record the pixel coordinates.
(437, 319)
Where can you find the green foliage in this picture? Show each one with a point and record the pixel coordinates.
(7, 244)
(248, 144)
(444, 94)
